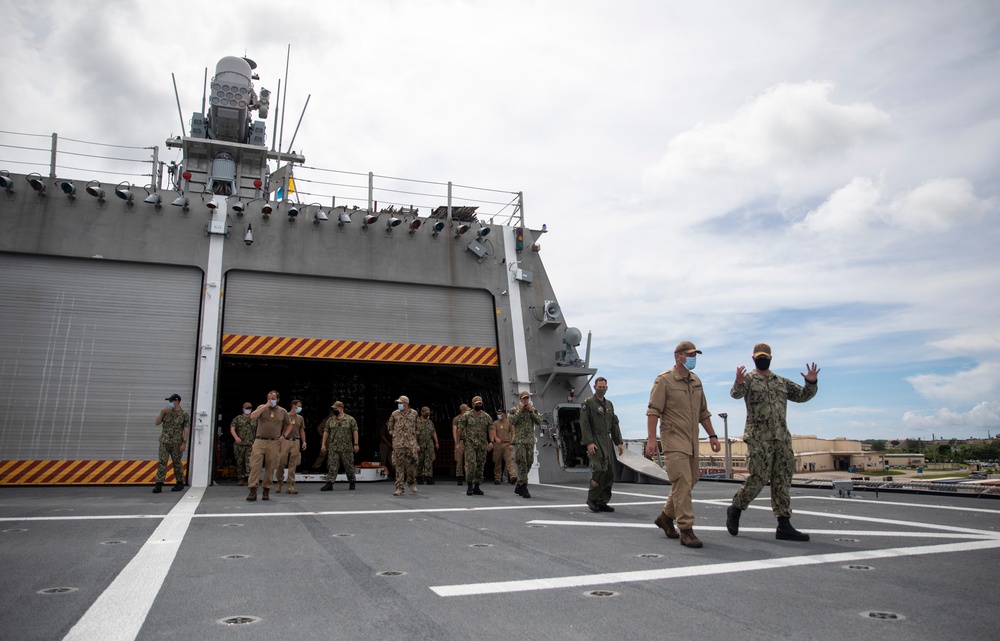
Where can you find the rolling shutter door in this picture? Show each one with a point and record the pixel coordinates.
(90, 350)
(303, 316)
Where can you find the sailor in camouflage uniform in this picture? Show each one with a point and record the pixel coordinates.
(600, 429)
(173, 441)
(340, 437)
(524, 417)
(243, 431)
(479, 436)
(403, 428)
(769, 443)
(428, 441)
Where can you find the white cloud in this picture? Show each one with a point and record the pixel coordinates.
(984, 416)
(979, 382)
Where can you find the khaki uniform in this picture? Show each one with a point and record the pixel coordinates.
(477, 435)
(290, 452)
(679, 404)
(524, 423)
(599, 425)
(264, 454)
(245, 429)
(403, 428)
(503, 451)
(340, 446)
(427, 454)
(770, 458)
(171, 438)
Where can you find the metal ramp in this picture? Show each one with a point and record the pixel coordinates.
(632, 467)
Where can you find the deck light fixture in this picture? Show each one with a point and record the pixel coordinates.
(392, 222)
(36, 182)
(343, 219)
(414, 225)
(461, 229)
(437, 227)
(153, 198)
(238, 207)
(369, 219)
(5, 182)
(319, 216)
(293, 213)
(68, 188)
(94, 189)
(182, 202)
(248, 237)
(124, 191)
(482, 232)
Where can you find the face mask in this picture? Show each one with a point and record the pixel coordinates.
(499, 417)
(399, 406)
(171, 404)
(600, 393)
(272, 402)
(690, 362)
(298, 410)
(478, 408)
(247, 412)
(763, 363)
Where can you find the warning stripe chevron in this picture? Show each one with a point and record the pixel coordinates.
(92, 472)
(247, 345)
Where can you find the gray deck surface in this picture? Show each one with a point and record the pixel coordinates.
(496, 566)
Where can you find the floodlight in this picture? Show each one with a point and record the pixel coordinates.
(414, 225)
(482, 232)
(320, 215)
(182, 202)
(36, 182)
(5, 182)
(214, 203)
(68, 188)
(437, 227)
(461, 229)
(392, 222)
(293, 213)
(94, 189)
(369, 219)
(238, 207)
(124, 191)
(344, 219)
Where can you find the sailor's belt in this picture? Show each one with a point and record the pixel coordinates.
(268, 438)
(291, 438)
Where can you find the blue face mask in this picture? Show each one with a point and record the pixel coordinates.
(399, 406)
(272, 402)
(690, 362)
(171, 404)
(298, 410)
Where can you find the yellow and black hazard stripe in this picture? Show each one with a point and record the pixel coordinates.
(276, 346)
(98, 472)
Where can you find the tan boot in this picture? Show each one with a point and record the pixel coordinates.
(277, 488)
(689, 540)
(667, 525)
(242, 481)
(291, 490)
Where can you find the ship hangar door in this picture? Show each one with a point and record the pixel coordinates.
(362, 342)
(90, 349)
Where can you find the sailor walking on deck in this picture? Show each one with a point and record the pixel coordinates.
(600, 432)
(479, 436)
(524, 417)
(243, 430)
(340, 438)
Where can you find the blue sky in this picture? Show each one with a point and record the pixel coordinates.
(821, 176)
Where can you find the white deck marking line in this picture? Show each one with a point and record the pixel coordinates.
(770, 530)
(901, 504)
(119, 612)
(505, 587)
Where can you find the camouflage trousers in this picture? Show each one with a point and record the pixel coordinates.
(404, 461)
(524, 458)
(425, 460)
(503, 456)
(333, 462)
(768, 461)
(170, 451)
(475, 461)
(242, 454)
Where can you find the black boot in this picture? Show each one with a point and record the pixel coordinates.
(158, 488)
(430, 480)
(518, 489)
(328, 487)
(733, 519)
(178, 487)
(468, 491)
(351, 486)
(476, 490)
(420, 480)
(524, 492)
(460, 481)
(786, 532)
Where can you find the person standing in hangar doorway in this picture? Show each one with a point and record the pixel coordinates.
(341, 439)
(503, 449)
(428, 441)
(524, 417)
(677, 402)
(403, 428)
(479, 436)
(243, 430)
(291, 449)
(173, 441)
(458, 434)
(600, 434)
(770, 458)
(272, 423)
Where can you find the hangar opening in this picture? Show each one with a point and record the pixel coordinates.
(361, 342)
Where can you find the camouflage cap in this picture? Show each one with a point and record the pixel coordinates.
(686, 346)
(477, 399)
(337, 404)
(525, 394)
(403, 399)
(761, 349)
